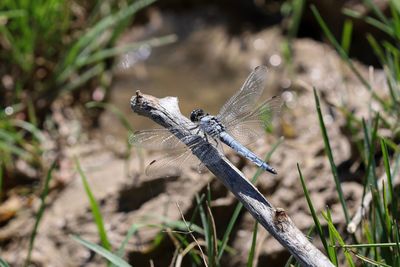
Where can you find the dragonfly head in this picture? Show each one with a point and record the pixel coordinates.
(197, 114)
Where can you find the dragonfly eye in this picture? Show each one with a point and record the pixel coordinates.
(196, 115)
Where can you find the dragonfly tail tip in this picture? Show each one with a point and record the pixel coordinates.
(273, 171)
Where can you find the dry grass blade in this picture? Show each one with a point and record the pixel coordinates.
(192, 236)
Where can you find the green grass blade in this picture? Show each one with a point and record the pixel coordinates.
(374, 230)
(252, 251)
(314, 215)
(196, 210)
(94, 208)
(371, 160)
(377, 49)
(87, 42)
(40, 212)
(29, 127)
(371, 261)
(10, 14)
(332, 241)
(386, 213)
(392, 70)
(32, 117)
(366, 227)
(397, 239)
(367, 245)
(380, 25)
(328, 152)
(338, 238)
(380, 230)
(239, 206)
(181, 226)
(370, 20)
(194, 256)
(132, 230)
(385, 223)
(342, 53)
(213, 251)
(377, 10)
(115, 51)
(229, 229)
(206, 226)
(290, 261)
(395, 6)
(1, 180)
(83, 78)
(346, 35)
(10, 148)
(395, 12)
(10, 135)
(298, 8)
(293, 11)
(392, 196)
(102, 252)
(3, 263)
(203, 216)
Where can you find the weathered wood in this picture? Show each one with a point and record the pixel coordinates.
(166, 112)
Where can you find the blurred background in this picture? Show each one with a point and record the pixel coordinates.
(67, 170)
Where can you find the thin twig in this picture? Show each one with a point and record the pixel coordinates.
(166, 112)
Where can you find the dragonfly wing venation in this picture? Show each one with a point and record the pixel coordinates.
(162, 139)
(170, 164)
(246, 98)
(253, 124)
(178, 152)
(246, 133)
(155, 139)
(173, 163)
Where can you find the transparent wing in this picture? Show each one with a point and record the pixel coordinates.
(156, 139)
(245, 99)
(171, 164)
(178, 151)
(161, 139)
(253, 124)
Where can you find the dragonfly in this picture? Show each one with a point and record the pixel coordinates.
(239, 123)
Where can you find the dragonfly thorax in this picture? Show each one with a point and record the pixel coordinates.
(211, 125)
(197, 114)
(207, 123)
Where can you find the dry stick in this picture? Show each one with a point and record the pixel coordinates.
(365, 204)
(165, 111)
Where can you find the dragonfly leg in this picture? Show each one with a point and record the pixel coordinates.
(205, 137)
(198, 132)
(216, 142)
(195, 127)
(213, 139)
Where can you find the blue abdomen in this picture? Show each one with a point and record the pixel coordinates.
(242, 150)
